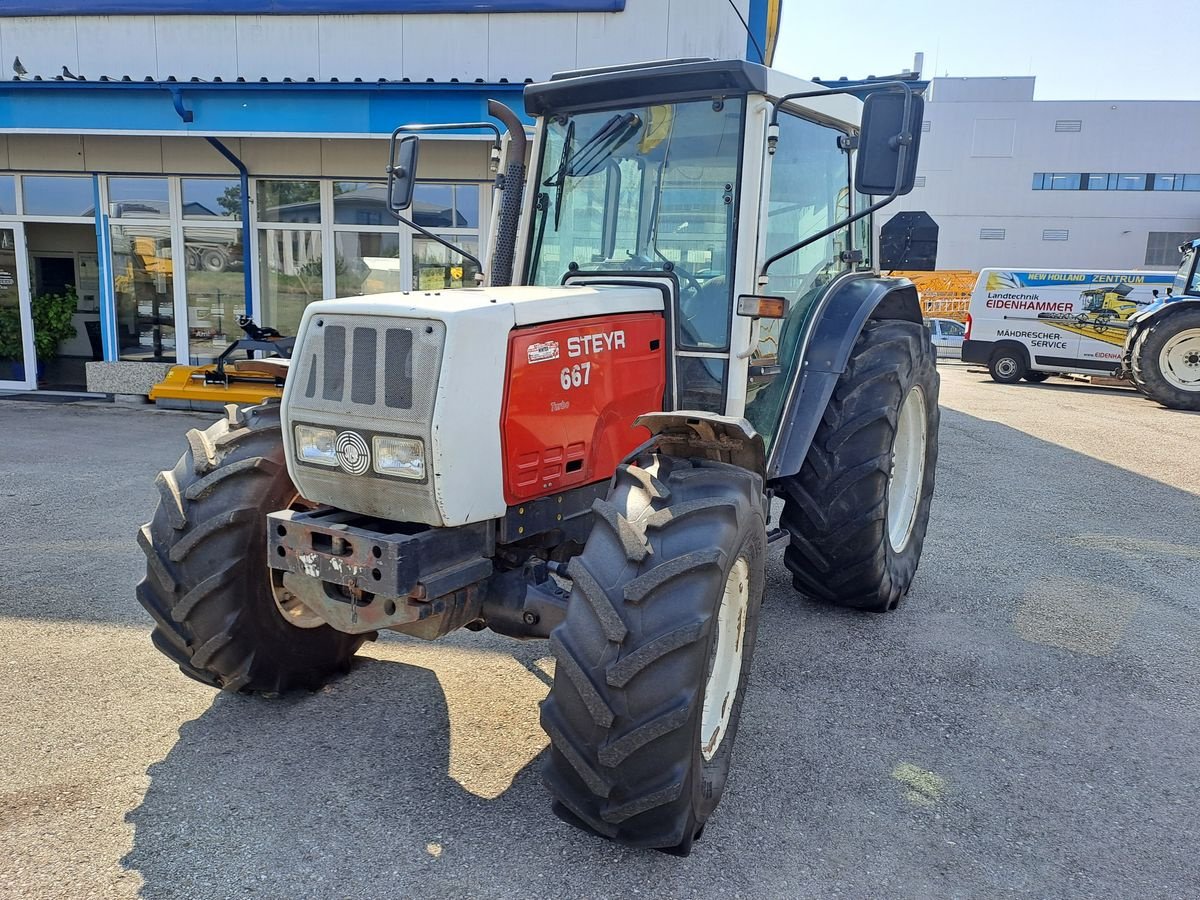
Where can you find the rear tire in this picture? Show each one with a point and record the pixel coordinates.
(640, 747)
(1007, 366)
(207, 584)
(1166, 361)
(1036, 377)
(858, 509)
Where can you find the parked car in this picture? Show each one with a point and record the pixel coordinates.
(947, 336)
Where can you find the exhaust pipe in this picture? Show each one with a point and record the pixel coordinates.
(511, 185)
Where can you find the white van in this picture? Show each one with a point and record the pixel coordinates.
(1033, 323)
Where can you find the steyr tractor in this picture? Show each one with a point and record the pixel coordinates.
(676, 322)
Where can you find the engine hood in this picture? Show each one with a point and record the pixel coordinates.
(519, 306)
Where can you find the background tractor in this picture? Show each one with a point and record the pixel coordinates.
(1162, 349)
(676, 322)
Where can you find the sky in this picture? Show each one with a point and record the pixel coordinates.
(1078, 49)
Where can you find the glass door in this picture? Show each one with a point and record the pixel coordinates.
(17, 367)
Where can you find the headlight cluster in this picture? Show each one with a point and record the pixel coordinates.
(399, 457)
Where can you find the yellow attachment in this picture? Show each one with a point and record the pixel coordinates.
(186, 385)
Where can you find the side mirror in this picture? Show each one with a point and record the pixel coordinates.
(402, 172)
(888, 143)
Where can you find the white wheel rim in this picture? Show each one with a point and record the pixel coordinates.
(1179, 360)
(908, 469)
(294, 612)
(725, 670)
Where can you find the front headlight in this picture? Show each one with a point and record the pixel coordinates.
(402, 457)
(316, 445)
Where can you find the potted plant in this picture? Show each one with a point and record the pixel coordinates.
(10, 344)
(52, 323)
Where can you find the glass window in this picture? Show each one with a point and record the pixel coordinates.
(368, 262)
(466, 205)
(1097, 182)
(1191, 182)
(952, 329)
(216, 290)
(701, 383)
(436, 267)
(433, 206)
(1168, 182)
(1064, 181)
(361, 203)
(289, 201)
(1131, 182)
(212, 198)
(143, 284)
(138, 198)
(1037, 180)
(290, 267)
(58, 195)
(809, 191)
(638, 189)
(8, 195)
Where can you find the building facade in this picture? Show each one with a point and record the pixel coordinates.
(1013, 181)
(172, 164)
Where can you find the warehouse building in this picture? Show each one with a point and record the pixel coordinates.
(1013, 181)
(175, 163)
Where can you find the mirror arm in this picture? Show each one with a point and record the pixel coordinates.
(454, 126)
(441, 240)
(905, 141)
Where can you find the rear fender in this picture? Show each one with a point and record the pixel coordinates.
(839, 321)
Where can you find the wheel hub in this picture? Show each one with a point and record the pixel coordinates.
(908, 469)
(1179, 360)
(725, 668)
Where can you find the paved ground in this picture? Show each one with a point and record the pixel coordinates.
(1026, 724)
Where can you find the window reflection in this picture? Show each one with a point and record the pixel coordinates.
(289, 201)
(58, 195)
(290, 262)
(143, 284)
(212, 198)
(216, 290)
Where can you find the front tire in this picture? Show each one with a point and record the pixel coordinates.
(857, 511)
(654, 654)
(1166, 361)
(207, 585)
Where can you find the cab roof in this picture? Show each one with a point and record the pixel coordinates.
(675, 80)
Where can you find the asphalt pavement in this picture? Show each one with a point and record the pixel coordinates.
(1026, 724)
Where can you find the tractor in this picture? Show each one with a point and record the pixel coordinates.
(677, 321)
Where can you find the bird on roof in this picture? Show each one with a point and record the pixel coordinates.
(18, 69)
(67, 73)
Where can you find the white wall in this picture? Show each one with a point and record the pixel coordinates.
(980, 155)
(488, 47)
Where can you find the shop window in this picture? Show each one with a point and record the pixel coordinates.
(8, 195)
(212, 198)
(138, 198)
(58, 195)
(143, 286)
(368, 262)
(289, 201)
(446, 205)
(436, 267)
(216, 290)
(361, 203)
(291, 269)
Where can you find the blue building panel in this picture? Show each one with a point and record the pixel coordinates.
(232, 108)
(296, 7)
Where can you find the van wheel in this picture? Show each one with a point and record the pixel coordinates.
(1007, 366)
(1036, 377)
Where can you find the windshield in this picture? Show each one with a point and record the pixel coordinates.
(644, 189)
(1187, 281)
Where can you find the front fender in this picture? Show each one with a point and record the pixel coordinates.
(831, 338)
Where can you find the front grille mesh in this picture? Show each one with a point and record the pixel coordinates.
(373, 373)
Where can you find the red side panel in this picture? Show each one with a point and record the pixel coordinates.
(574, 389)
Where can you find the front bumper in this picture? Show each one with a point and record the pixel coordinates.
(359, 577)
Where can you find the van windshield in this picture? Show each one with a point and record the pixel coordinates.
(639, 190)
